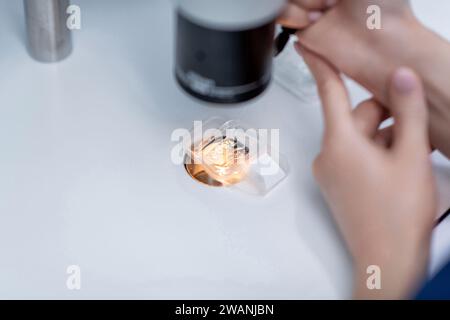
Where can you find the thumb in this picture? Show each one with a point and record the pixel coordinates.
(409, 109)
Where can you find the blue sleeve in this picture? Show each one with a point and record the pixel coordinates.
(438, 288)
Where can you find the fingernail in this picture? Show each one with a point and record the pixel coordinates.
(313, 16)
(405, 81)
(330, 3)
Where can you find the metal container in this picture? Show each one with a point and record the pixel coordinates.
(49, 38)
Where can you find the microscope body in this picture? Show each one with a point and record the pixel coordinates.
(224, 49)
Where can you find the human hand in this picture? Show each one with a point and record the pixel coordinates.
(382, 195)
(346, 24)
(370, 56)
(298, 14)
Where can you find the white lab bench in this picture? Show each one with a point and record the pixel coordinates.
(86, 176)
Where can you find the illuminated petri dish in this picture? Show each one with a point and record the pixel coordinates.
(219, 162)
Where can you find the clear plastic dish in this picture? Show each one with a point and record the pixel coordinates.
(236, 156)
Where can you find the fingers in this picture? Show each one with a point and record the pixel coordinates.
(333, 93)
(409, 109)
(315, 4)
(301, 13)
(296, 17)
(384, 137)
(368, 117)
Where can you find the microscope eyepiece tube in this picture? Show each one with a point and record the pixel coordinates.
(49, 38)
(224, 49)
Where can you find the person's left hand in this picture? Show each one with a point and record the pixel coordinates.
(381, 192)
(299, 14)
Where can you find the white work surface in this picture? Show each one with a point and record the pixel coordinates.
(86, 177)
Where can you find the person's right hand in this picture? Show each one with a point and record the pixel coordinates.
(299, 14)
(369, 57)
(382, 194)
(343, 37)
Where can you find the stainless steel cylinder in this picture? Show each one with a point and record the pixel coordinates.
(49, 38)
